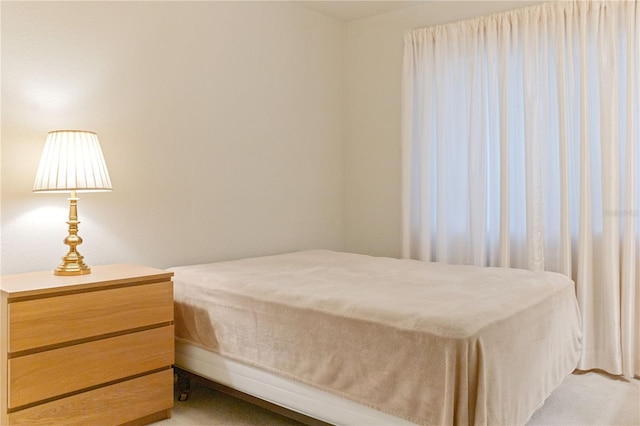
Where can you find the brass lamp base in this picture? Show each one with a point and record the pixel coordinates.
(72, 266)
(72, 262)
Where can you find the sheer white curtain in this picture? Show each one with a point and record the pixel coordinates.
(521, 149)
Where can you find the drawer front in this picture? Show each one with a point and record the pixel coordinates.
(110, 405)
(43, 375)
(53, 320)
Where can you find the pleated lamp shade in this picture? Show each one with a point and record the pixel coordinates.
(72, 161)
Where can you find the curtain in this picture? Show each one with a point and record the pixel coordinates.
(521, 149)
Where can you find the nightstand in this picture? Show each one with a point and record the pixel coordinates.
(88, 349)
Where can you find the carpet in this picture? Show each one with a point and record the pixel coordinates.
(583, 399)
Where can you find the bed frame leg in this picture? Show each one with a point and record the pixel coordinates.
(183, 383)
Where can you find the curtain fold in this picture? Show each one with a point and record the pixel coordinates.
(521, 148)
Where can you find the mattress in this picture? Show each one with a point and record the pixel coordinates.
(276, 389)
(426, 342)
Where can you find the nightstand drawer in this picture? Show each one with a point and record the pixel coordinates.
(56, 372)
(53, 320)
(110, 405)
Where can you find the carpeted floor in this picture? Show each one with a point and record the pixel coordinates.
(589, 398)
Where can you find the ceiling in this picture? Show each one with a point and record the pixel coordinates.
(349, 10)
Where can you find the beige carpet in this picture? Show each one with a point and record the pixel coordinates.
(582, 399)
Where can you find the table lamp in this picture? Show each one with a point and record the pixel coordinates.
(72, 161)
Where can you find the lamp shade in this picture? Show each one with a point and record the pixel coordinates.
(72, 161)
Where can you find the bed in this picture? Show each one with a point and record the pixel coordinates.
(353, 339)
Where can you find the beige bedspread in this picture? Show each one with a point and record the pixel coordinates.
(428, 342)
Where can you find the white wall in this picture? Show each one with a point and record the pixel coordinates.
(221, 124)
(230, 129)
(373, 68)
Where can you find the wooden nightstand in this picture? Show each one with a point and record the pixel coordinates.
(86, 350)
